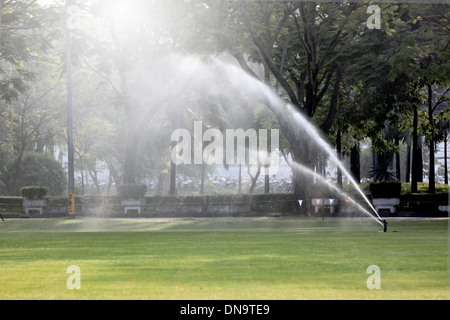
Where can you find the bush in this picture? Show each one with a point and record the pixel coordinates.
(34, 193)
(132, 191)
(273, 202)
(320, 190)
(422, 187)
(386, 189)
(350, 188)
(163, 200)
(228, 198)
(196, 200)
(35, 169)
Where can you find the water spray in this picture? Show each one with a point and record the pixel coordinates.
(297, 166)
(312, 130)
(280, 106)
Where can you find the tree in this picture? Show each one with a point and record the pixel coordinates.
(118, 49)
(424, 54)
(28, 81)
(300, 46)
(37, 169)
(27, 31)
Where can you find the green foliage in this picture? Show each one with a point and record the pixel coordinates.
(195, 199)
(322, 191)
(301, 42)
(422, 187)
(35, 169)
(132, 191)
(34, 192)
(382, 172)
(350, 188)
(385, 189)
(22, 40)
(228, 199)
(273, 202)
(163, 200)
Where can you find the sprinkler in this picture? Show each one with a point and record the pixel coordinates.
(384, 224)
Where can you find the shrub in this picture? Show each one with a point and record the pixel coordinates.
(196, 200)
(273, 202)
(34, 192)
(164, 200)
(386, 189)
(422, 187)
(35, 169)
(350, 188)
(132, 191)
(228, 198)
(320, 190)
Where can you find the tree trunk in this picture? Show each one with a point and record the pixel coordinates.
(160, 186)
(94, 177)
(416, 170)
(397, 160)
(113, 172)
(40, 143)
(408, 164)
(173, 176)
(175, 121)
(240, 179)
(132, 138)
(431, 172)
(420, 158)
(108, 186)
(253, 178)
(355, 166)
(445, 159)
(82, 175)
(129, 167)
(17, 172)
(299, 141)
(266, 180)
(202, 183)
(339, 156)
(374, 158)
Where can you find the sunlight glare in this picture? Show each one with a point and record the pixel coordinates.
(124, 14)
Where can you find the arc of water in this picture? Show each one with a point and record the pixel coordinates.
(311, 130)
(243, 79)
(297, 166)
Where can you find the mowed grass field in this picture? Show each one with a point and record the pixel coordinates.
(225, 258)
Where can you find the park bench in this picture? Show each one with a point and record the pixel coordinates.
(386, 204)
(324, 204)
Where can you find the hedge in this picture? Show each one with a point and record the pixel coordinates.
(132, 191)
(386, 189)
(320, 190)
(34, 192)
(422, 187)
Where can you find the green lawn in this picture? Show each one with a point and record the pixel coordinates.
(228, 258)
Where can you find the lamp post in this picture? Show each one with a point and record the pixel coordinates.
(70, 160)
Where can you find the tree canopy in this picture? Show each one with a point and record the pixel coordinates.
(141, 69)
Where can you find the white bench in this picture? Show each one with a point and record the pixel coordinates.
(132, 205)
(386, 204)
(324, 203)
